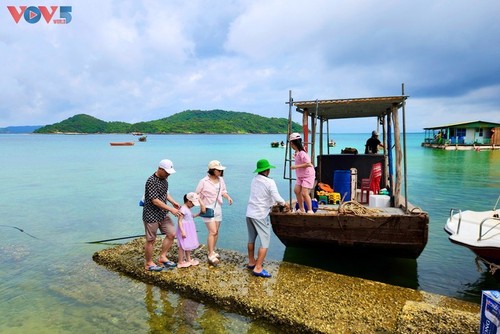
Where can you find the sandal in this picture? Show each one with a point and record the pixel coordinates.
(213, 260)
(154, 268)
(263, 273)
(169, 264)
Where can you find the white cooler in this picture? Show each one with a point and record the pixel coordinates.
(379, 201)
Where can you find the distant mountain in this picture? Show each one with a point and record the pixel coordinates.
(20, 129)
(189, 121)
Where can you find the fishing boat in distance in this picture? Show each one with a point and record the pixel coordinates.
(124, 143)
(479, 231)
(143, 138)
(364, 221)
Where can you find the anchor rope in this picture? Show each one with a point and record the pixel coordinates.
(492, 266)
(84, 242)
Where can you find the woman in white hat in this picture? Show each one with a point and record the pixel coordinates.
(305, 174)
(212, 189)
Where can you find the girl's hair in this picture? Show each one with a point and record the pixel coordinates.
(298, 144)
(185, 199)
(211, 172)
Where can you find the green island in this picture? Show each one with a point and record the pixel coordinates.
(185, 122)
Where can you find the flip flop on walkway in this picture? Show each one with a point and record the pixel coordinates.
(154, 268)
(263, 273)
(169, 264)
(249, 267)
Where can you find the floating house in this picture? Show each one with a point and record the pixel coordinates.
(475, 135)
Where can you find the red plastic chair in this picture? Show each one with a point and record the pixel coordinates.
(371, 184)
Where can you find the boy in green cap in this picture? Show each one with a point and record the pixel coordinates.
(263, 195)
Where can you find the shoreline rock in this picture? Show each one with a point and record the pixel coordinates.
(300, 298)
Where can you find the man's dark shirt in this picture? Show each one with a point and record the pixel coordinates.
(154, 188)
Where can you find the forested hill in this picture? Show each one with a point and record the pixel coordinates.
(189, 121)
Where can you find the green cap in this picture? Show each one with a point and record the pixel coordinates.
(263, 165)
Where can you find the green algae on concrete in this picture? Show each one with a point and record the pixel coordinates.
(300, 298)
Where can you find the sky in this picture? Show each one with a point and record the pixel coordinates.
(142, 60)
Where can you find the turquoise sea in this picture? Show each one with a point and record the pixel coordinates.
(65, 190)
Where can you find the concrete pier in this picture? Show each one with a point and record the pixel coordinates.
(300, 298)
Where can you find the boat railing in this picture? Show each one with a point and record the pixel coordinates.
(452, 212)
(481, 235)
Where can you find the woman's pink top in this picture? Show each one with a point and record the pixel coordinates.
(302, 157)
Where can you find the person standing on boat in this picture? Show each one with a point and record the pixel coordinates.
(155, 215)
(305, 173)
(212, 189)
(373, 143)
(263, 195)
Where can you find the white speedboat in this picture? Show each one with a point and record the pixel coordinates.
(477, 230)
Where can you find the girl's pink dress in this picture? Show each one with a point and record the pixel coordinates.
(190, 242)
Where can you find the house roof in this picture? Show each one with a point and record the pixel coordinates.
(351, 108)
(471, 124)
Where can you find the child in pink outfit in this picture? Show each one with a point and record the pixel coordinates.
(187, 237)
(305, 173)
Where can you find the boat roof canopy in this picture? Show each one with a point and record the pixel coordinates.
(351, 108)
(467, 125)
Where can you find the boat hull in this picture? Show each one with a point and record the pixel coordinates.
(464, 229)
(402, 235)
(122, 144)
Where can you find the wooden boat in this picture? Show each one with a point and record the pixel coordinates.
(396, 228)
(477, 230)
(125, 143)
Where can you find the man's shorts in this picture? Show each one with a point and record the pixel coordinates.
(261, 228)
(166, 227)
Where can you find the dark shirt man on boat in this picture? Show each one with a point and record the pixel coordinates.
(373, 143)
(155, 215)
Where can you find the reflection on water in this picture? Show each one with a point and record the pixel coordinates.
(487, 281)
(170, 313)
(395, 271)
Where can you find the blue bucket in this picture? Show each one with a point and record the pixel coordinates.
(342, 183)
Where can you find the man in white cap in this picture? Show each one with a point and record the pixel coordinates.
(155, 215)
(373, 143)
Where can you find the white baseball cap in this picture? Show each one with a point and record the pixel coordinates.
(167, 166)
(295, 136)
(194, 198)
(215, 164)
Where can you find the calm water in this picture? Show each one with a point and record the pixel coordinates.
(67, 190)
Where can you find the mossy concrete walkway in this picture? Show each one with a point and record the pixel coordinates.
(301, 298)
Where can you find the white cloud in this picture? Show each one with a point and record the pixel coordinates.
(142, 60)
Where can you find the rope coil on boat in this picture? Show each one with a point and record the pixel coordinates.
(417, 210)
(355, 208)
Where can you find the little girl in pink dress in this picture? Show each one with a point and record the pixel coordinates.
(187, 238)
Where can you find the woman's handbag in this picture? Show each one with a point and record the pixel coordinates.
(209, 212)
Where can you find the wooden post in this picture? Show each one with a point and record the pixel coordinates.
(398, 157)
(305, 128)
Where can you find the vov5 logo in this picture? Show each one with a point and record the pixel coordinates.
(33, 14)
